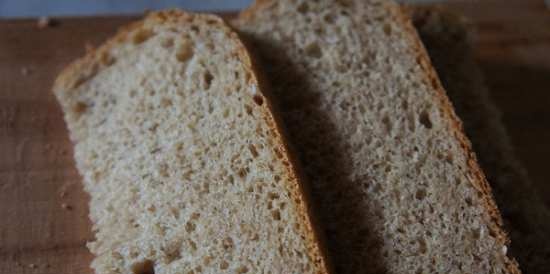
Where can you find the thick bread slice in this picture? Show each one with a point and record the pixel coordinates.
(447, 37)
(185, 165)
(394, 177)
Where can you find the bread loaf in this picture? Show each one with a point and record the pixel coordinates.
(447, 37)
(396, 182)
(181, 155)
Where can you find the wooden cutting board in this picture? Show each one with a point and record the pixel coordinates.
(43, 209)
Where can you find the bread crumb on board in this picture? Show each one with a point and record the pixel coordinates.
(27, 70)
(24, 71)
(66, 206)
(44, 22)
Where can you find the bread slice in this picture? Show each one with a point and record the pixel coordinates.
(447, 37)
(181, 155)
(394, 178)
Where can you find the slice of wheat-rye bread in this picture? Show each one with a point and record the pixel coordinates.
(394, 178)
(448, 38)
(182, 157)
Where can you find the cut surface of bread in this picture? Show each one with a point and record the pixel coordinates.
(446, 36)
(397, 186)
(181, 155)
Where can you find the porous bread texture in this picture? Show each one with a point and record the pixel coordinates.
(448, 39)
(179, 151)
(397, 186)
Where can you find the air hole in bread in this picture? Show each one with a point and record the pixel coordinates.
(313, 50)
(192, 245)
(190, 227)
(211, 22)
(225, 113)
(273, 196)
(387, 29)
(377, 188)
(387, 123)
(422, 246)
(319, 31)
(276, 215)
(165, 102)
(173, 253)
(79, 108)
(425, 119)
(224, 265)
(167, 42)
(329, 18)
(141, 36)
(208, 77)
(476, 233)
(253, 150)
(153, 127)
(195, 29)
(242, 269)
(405, 104)
(106, 59)
(227, 243)
(184, 53)
(248, 109)
(303, 8)
(144, 267)
(259, 100)
(207, 260)
(242, 173)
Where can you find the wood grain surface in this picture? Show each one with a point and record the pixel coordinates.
(43, 209)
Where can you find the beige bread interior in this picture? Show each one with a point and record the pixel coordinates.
(396, 184)
(186, 168)
(448, 39)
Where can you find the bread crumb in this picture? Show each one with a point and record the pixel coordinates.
(62, 194)
(44, 22)
(66, 206)
(504, 250)
(25, 71)
(33, 266)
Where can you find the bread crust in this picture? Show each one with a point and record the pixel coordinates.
(316, 242)
(86, 67)
(480, 183)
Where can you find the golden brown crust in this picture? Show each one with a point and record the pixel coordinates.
(315, 245)
(247, 13)
(84, 68)
(479, 183)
